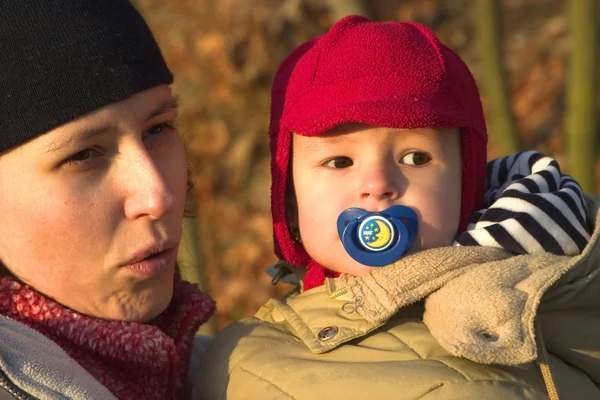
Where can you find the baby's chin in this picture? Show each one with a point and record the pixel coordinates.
(351, 267)
(347, 265)
(344, 264)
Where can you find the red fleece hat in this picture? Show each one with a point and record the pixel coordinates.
(394, 75)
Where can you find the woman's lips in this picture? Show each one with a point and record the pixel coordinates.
(155, 264)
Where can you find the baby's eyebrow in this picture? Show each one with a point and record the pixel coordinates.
(322, 143)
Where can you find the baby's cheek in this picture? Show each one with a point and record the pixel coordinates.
(437, 224)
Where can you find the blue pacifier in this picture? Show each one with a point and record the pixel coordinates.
(377, 238)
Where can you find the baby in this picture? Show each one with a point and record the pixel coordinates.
(378, 148)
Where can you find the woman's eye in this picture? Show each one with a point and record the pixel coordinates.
(158, 129)
(415, 158)
(339, 162)
(81, 157)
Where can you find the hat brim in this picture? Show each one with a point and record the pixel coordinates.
(381, 104)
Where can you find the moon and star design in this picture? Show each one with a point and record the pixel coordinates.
(376, 233)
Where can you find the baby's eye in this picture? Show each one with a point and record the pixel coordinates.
(416, 158)
(339, 162)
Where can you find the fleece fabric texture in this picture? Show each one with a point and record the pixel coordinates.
(453, 322)
(391, 74)
(132, 360)
(530, 207)
(40, 368)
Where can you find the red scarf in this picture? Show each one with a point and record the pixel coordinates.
(132, 360)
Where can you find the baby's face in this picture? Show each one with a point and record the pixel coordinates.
(373, 168)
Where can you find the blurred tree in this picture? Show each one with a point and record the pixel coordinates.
(581, 92)
(486, 15)
(342, 8)
(191, 265)
(224, 54)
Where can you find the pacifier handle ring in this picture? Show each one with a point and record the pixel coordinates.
(366, 257)
(404, 224)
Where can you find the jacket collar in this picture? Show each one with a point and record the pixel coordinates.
(480, 303)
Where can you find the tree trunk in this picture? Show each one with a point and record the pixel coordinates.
(342, 8)
(191, 265)
(581, 93)
(487, 20)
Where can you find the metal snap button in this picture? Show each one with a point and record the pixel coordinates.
(327, 333)
(488, 336)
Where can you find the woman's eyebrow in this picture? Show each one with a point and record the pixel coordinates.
(164, 107)
(84, 134)
(77, 136)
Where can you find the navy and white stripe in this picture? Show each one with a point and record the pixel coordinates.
(530, 207)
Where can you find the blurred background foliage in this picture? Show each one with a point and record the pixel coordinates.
(224, 54)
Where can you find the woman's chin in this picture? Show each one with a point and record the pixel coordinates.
(151, 312)
(143, 306)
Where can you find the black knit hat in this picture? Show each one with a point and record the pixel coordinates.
(61, 59)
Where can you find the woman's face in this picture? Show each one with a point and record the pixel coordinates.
(91, 211)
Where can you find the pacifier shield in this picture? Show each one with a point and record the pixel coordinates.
(376, 233)
(377, 238)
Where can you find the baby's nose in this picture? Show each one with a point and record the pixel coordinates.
(379, 185)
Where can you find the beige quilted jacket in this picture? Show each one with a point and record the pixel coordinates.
(447, 323)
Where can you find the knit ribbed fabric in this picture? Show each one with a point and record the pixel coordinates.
(133, 360)
(530, 207)
(61, 59)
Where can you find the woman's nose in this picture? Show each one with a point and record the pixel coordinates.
(147, 192)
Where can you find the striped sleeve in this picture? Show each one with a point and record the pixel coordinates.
(530, 207)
